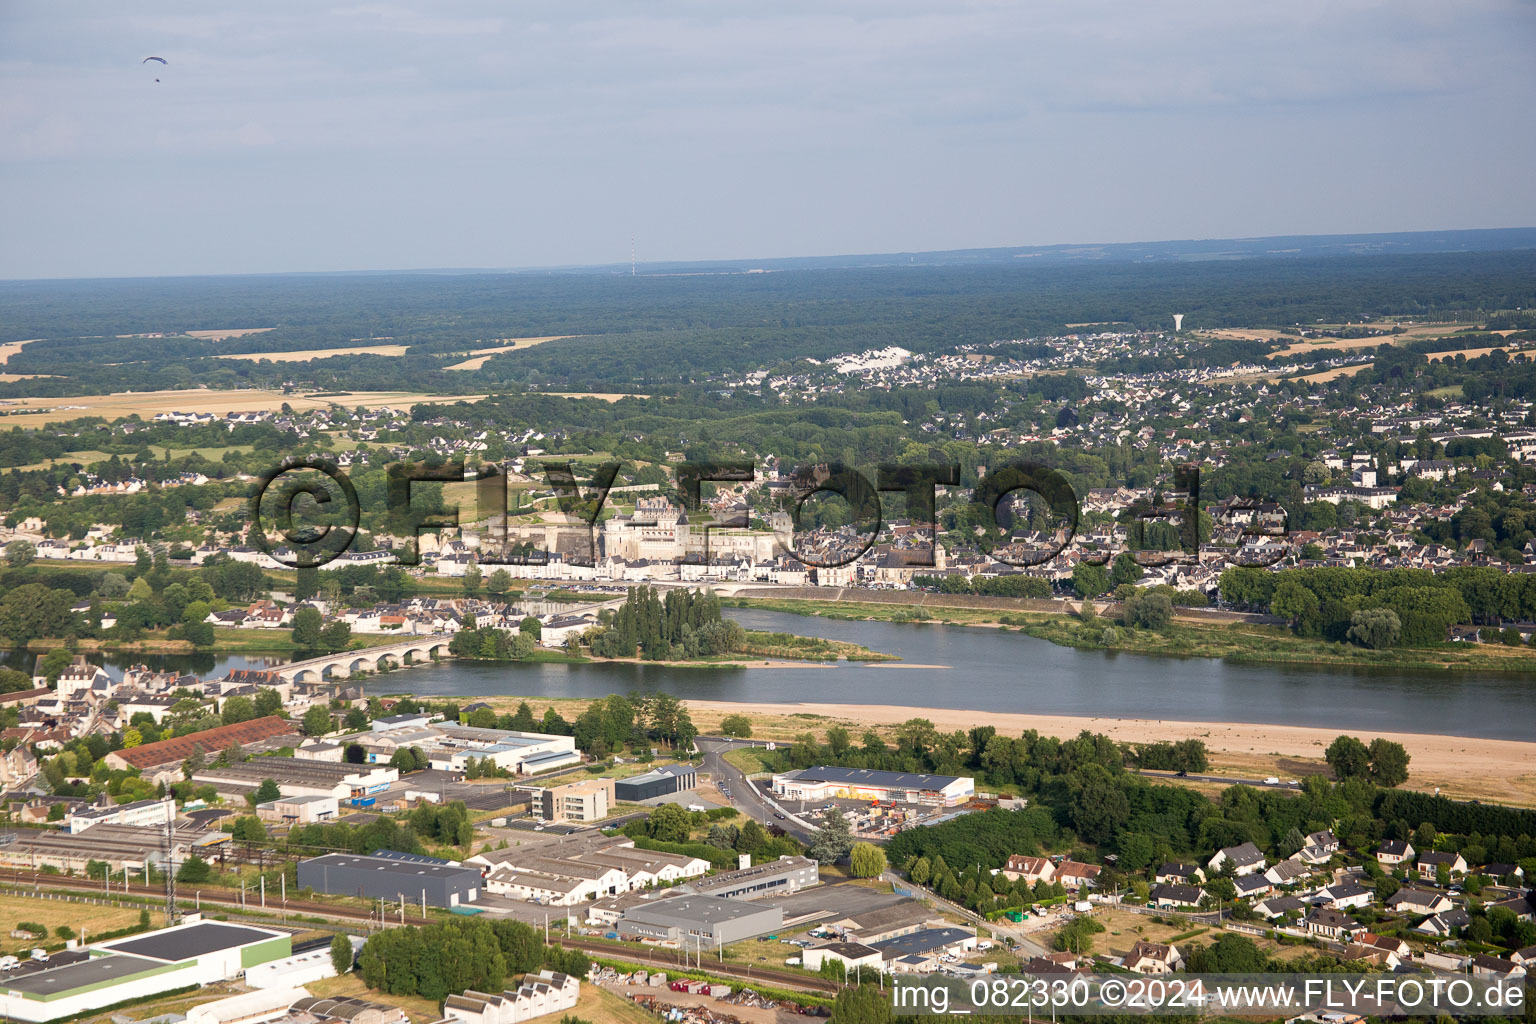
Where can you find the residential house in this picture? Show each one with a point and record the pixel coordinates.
(1177, 872)
(1409, 900)
(1330, 924)
(1444, 924)
(1252, 886)
(1495, 968)
(1319, 848)
(1175, 897)
(1074, 874)
(1345, 895)
(1153, 958)
(1245, 859)
(1393, 852)
(1279, 906)
(1032, 869)
(1431, 862)
(1287, 873)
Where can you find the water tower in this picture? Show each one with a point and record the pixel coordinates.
(1178, 322)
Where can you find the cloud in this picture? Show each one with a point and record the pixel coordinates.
(841, 104)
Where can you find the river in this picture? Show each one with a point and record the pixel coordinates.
(987, 670)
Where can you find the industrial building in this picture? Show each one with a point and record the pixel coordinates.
(345, 874)
(147, 757)
(703, 921)
(663, 781)
(535, 995)
(81, 980)
(771, 878)
(297, 776)
(139, 812)
(571, 871)
(825, 782)
(121, 846)
(450, 746)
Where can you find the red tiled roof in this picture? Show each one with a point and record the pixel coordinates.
(152, 755)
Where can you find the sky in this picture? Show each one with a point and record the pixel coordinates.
(315, 136)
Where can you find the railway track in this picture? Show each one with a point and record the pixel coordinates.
(653, 956)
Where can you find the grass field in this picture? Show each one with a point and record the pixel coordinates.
(53, 913)
(480, 355)
(39, 412)
(306, 354)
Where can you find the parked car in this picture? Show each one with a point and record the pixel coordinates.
(40, 955)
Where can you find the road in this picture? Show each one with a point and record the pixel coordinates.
(745, 797)
(1225, 780)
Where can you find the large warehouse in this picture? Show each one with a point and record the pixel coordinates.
(345, 874)
(826, 783)
(79, 980)
(706, 920)
(663, 781)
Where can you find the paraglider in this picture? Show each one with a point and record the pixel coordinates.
(162, 60)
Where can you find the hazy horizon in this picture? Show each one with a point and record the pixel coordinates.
(375, 137)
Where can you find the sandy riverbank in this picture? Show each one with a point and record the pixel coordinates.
(1497, 770)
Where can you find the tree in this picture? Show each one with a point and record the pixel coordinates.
(669, 823)
(267, 792)
(751, 838)
(866, 860)
(1296, 604)
(1349, 758)
(531, 627)
(920, 870)
(736, 725)
(198, 633)
(1089, 580)
(861, 1004)
(341, 955)
(832, 842)
(471, 580)
(249, 829)
(19, 553)
(1376, 628)
(238, 708)
(317, 721)
(194, 870)
(307, 626)
(1389, 762)
(499, 582)
(1125, 569)
(336, 637)
(1149, 611)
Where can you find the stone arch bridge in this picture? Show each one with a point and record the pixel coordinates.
(372, 659)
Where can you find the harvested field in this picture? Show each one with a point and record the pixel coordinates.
(479, 357)
(38, 412)
(10, 348)
(306, 354)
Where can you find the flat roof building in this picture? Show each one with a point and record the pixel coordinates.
(78, 981)
(300, 776)
(771, 878)
(588, 800)
(705, 921)
(345, 874)
(825, 782)
(663, 781)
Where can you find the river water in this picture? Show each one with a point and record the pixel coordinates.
(986, 670)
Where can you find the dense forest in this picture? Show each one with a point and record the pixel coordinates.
(661, 332)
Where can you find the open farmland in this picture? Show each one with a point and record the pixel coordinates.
(39, 412)
(306, 354)
(505, 345)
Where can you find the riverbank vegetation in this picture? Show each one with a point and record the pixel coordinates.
(1181, 636)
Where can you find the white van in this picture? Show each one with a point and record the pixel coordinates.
(9, 963)
(40, 955)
